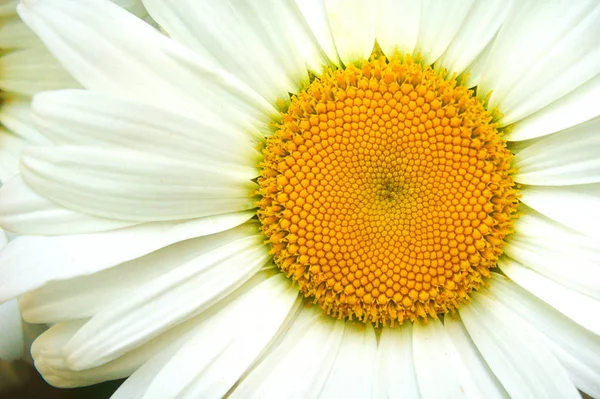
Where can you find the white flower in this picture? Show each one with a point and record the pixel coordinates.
(140, 237)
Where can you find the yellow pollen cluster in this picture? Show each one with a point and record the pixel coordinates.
(386, 192)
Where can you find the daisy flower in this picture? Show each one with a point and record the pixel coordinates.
(26, 67)
(314, 198)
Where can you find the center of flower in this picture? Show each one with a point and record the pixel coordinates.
(386, 192)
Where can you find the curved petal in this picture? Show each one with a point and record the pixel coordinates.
(125, 184)
(398, 25)
(396, 376)
(267, 44)
(11, 331)
(85, 296)
(10, 149)
(80, 117)
(27, 71)
(227, 351)
(130, 58)
(577, 207)
(476, 31)
(352, 24)
(162, 303)
(439, 24)
(315, 14)
(353, 372)
(575, 347)
(531, 64)
(15, 115)
(570, 110)
(24, 263)
(513, 351)
(23, 211)
(569, 157)
(572, 304)
(299, 365)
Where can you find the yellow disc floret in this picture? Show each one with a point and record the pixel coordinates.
(386, 192)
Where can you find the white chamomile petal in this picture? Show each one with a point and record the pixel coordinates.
(177, 296)
(266, 44)
(440, 368)
(571, 303)
(299, 365)
(10, 149)
(438, 25)
(72, 117)
(575, 347)
(528, 69)
(353, 372)
(24, 263)
(15, 34)
(395, 376)
(570, 110)
(23, 211)
(130, 58)
(398, 25)
(27, 71)
(475, 33)
(315, 14)
(85, 296)
(51, 357)
(120, 183)
(577, 207)
(353, 25)
(227, 350)
(551, 259)
(513, 351)
(15, 115)
(569, 157)
(11, 330)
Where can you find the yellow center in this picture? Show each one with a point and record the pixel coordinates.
(386, 192)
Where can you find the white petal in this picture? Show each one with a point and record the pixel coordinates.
(532, 65)
(23, 211)
(51, 360)
(133, 185)
(439, 24)
(266, 44)
(79, 117)
(572, 304)
(10, 150)
(440, 370)
(354, 370)
(29, 71)
(570, 110)
(15, 34)
(352, 24)
(475, 33)
(396, 376)
(227, 351)
(472, 365)
(29, 262)
(176, 296)
(315, 14)
(577, 207)
(299, 366)
(85, 296)
(569, 157)
(575, 347)
(130, 58)
(573, 267)
(514, 351)
(15, 115)
(475, 70)
(11, 331)
(398, 25)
